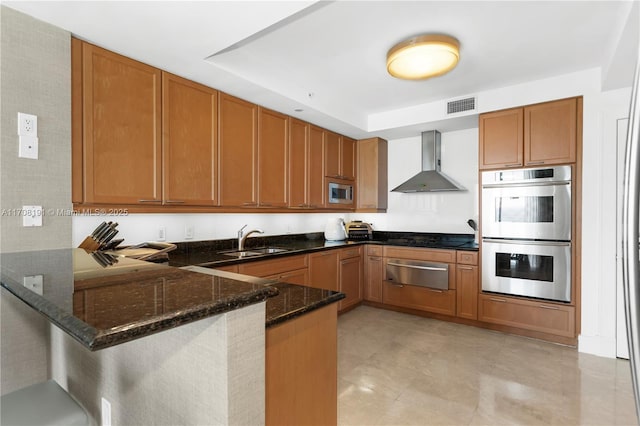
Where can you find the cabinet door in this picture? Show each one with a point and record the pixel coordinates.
(323, 270)
(467, 291)
(189, 142)
(501, 135)
(373, 275)
(298, 162)
(237, 123)
(331, 154)
(121, 129)
(273, 150)
(350, 273)
(316, 189)
(348, 157)
(550, 132)
(301, 277)
(372, 174)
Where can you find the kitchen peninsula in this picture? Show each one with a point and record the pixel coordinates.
(160, 344)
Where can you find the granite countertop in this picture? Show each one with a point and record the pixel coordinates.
(102, 305)
(208, 253)
(291, 301)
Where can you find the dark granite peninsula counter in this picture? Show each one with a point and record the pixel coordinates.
(103, 301)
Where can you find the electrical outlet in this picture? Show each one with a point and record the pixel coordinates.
(34, 283)
(27, 124)
(162, 233)
(188, 232)
(105, 413)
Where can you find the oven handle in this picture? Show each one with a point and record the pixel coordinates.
(528, 243)
(428, 268)
(525, 184)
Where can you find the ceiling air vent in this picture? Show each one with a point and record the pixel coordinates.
(461, 105)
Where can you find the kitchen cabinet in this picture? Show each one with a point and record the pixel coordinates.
(273, 152)
(373, 274)
(532, 315)
(317, 191)
(420, 298)
(532, 135)
(340, 156)
(350, 272)
(306, 165)
(121, 133)
(228, 268)
(189, 142)
(301, 383)
(237, 138)
(277, 268)
(372, 175)
(467, 285)
(323, 270)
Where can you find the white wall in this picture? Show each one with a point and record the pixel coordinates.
(446, 212)
(136, 228)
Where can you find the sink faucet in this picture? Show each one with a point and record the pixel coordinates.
(243, 237)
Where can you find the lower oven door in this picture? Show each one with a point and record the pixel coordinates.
(540, 269)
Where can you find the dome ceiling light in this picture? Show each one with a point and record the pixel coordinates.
(423, 57)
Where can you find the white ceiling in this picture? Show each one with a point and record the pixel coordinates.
(328, 58)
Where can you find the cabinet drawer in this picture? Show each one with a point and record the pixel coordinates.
(435, 255)
(531, 315)
(229, 268)
(467, 257)
(300, 276)
(265, 268)
(422, 298)
(374, 250)
(350, 252)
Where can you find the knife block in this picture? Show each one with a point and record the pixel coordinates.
(89, 244)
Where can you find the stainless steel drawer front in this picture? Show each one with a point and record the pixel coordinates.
(414, 272)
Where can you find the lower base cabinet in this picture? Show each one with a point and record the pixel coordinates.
(467, 291)
(350, 272)
(531, 315)
(421, 298)
(301, 382)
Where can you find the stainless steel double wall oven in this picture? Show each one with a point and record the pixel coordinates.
(526, 232)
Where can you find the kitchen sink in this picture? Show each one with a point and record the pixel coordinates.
(252, 252)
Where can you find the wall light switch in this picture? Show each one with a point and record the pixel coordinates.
(31, 215)
(33, 283)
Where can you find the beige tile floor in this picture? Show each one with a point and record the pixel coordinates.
(398, 369)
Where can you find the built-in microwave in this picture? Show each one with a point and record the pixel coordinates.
(340, 193)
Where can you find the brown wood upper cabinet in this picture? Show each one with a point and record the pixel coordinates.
(189, 142)
(306, 165)
(273, 151)
(372, 175)
(121, 133)
(339, 156)
(238, 148)
(539, 134)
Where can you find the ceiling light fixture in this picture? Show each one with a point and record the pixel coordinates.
(423, 57)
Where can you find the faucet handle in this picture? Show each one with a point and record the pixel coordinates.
(240, 231)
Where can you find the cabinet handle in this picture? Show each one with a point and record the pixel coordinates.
(428, 268)
(149, 201)
(265, 204)
(303, 205)
(466, 268)
(533, 163)
(174, 201)
(497, 300)
(374, 258)
(433, 290)
(513, 165)
(552, 308)
(249, 204)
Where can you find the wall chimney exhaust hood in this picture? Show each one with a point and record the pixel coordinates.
(430, 179)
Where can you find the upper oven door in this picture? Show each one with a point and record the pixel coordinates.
(541, 211)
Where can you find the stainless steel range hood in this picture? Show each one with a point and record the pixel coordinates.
(430, 179)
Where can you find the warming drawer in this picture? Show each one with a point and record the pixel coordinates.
(418, 273)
